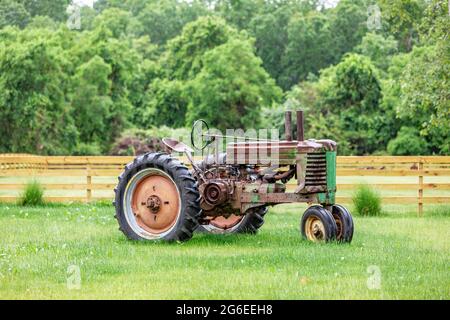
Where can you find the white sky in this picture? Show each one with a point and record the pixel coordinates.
(89, 3)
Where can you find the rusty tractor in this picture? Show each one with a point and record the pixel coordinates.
(159, 198)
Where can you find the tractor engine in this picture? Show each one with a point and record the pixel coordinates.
(220, 189)
(220, 192)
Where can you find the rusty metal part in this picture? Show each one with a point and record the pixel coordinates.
(328, 145)
(216, 193)
(176, 146)
(261, 153)
(314, 229)
(274, 153)
(225, 223)
(288, 125)
(300, 126)
(276, 176)
(274, 198)
(155, 203)
(251, 200)
(339, 225)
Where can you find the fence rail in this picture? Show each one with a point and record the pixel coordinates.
(402, 180)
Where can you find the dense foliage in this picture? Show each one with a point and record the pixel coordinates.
(376, 86)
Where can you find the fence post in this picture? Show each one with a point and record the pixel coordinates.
(420, 198)
(88, 183)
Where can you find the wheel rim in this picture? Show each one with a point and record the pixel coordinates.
(315, 229)
(152, 203)
(224, 225)
(339, 225)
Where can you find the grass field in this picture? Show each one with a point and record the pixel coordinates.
(397, 256)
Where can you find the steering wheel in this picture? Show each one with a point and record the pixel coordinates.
(199, 135)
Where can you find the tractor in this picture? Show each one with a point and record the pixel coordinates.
(160, 198)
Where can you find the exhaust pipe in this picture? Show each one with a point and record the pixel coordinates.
(288, 125)
(300, 126)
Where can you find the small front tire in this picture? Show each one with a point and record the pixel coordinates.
(318, 225)
(344, 222)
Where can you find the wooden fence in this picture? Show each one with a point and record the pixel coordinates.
(400, 180)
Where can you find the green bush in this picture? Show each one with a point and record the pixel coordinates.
(366, 201)
(85, 149)
(33, 195)
(408, 143)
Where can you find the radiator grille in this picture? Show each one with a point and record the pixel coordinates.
(316, 169)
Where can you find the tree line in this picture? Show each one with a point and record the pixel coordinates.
(371, 74)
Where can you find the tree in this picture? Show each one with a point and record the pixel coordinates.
(165, 105)
(408, 143)
(239, 12)
(274, 27)
(270, 32)
(403, 19)
(35, 116)
(133, 6)
(184, 56)
(163, 20)
(55, 9)
(348, 25)
(231, 88)
(91, 103)
(13, 13)
(110, 41)
(308, 48)
(345, 101)
(354, 95)
(424, 94)
(87, 16)
(115, 23)
(42, 22)
(380, 50)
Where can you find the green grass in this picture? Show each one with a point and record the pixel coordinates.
(37, 245)
(366, 201)
(33, 195)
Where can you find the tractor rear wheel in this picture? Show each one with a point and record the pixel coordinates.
(318, 225)
(250, 223)
(344, 222)
(157, 199)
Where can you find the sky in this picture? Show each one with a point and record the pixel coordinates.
(89, 3)
(326, 3)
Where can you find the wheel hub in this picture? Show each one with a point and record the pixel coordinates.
(315, 230)
(154, 203)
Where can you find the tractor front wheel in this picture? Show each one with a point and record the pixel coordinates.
(344, 222)
(318, 225)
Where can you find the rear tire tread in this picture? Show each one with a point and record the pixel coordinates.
(190, 207)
